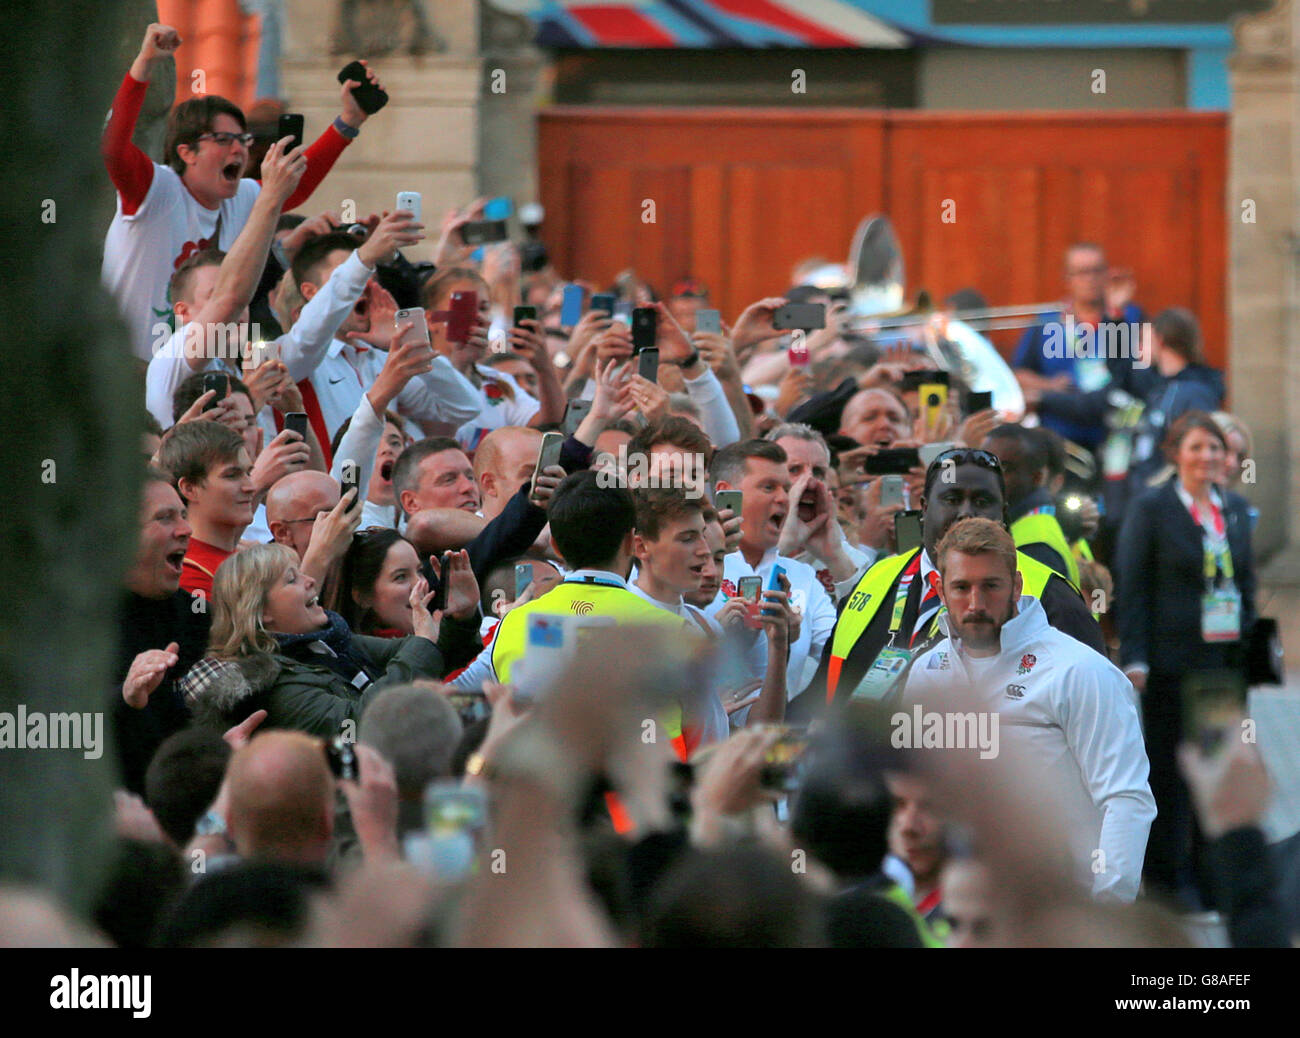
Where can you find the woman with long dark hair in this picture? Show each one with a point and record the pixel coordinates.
(1186, 604)
(378, 573)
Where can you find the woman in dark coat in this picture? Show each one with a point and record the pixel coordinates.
(1186, 603)
(274, 647)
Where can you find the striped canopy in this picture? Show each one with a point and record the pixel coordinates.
(705, 23)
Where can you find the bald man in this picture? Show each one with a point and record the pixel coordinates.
(281, 799)
(293, 504)
(875, 417)
(503, 463)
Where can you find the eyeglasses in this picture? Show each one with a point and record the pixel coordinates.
(222, 140)
(1088, 270)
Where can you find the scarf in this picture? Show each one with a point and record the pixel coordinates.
(344, 658)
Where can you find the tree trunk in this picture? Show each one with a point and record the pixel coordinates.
(73, 411)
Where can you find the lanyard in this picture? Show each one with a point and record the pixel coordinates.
(1213, 534)
(900, 597)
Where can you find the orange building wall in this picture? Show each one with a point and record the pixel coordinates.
(220, 39)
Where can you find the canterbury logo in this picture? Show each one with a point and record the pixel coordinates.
(582, 608)
(1015, 691)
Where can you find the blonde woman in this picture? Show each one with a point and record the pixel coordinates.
(274, 647)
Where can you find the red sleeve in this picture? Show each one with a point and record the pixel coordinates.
(129, 168)
(195, 580)
(321, 157)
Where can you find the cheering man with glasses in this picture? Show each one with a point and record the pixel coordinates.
(892, 615)
(200, 199)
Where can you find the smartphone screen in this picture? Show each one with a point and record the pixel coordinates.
(523, 577)
(645, 328)
(549, 454)
(749, 588)
(419, 330)
(603, 301)
(907, 530)
(980, 401)
(732, 499)
(351, 473)
(571, 306)
(525, 313)
(440, 592)
(1213, 704)
(291, 125)
(708, 321)
(648, 364)
(891, 491)
(296, 421)
(214, 381)
(574, 412)
(806, 316)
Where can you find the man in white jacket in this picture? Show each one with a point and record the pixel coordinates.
(1064, 713)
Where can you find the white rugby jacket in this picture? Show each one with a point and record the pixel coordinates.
(1066, 714)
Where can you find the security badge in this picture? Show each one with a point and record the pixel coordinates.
(939, 661)
(1221, 615)
(885, 674)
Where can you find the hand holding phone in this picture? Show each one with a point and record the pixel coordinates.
(369, 97)
(410, 201)
(291, 124)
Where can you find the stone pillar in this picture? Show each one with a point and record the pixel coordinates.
(426, 139)
(511, 93)
(1264, 359)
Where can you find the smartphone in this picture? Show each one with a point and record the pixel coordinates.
(440, 592)
(645, 328)
(1214, 702)
(708, 321)
(523, 577)
(891, 491)
(483, 232)
(913, 380)
(980, 401)
(215, 381)
(732, 499)
(571, 306)
(648, 364)
(549, 454)
(351, 473)
(892, 461)
(470, 704)
(798, 354)
(546, 641)
(574, 412)
(907, 530)
(410, 201)
(623, 312)
(296, 421)
(341, 756)
(934, 397)
(927, 452)
(419, 330)
(291, 125)
(783, 765)
(774, 584)
(807, 316)
(604, 301)
(261, 351)
(525, 313)
(370, 97)
(464, 308)
(750, 590)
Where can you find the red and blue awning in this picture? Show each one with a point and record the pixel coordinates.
(705, 23)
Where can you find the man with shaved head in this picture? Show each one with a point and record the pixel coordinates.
(503, 463)
(281, 799)
(293, 504)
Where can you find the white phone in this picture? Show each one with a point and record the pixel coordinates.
(419, 330)
(410, 200)
(261, 351)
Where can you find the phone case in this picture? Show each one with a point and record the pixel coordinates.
(410, 200)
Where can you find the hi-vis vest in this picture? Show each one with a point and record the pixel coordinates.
(586, 598)
(876, 589)
(1042, 528)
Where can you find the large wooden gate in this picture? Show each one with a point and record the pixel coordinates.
(980, 200)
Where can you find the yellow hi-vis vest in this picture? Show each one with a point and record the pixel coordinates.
(876, 589)
(585, 598)
(1041, 528)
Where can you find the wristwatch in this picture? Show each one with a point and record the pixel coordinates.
(690, 361)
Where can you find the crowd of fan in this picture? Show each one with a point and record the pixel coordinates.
(386, 678)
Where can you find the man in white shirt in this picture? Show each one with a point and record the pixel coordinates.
(211, 291)
(811, 533)
(760, 471)
(1065, 715)
(355, 356)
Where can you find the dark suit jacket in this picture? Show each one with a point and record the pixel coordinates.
(1159, 581)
